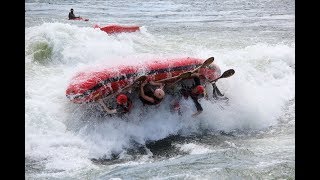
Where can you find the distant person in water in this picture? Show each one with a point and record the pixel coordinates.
(124, 105)
(71, 15)
(151, 93)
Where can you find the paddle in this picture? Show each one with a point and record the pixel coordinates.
(225, 74)
(189, 73)
(138, 80)
(127, 88)
(81, 18)
(204, 64)
(183, 76)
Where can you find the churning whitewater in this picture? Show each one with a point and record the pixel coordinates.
(251, 136)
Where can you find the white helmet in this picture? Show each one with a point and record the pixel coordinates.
(159, 93)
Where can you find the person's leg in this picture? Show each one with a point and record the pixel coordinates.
(215, 91)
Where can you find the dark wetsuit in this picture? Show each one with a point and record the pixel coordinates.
(71, 15)
(148, 91)
(122, 109)
(187, 91)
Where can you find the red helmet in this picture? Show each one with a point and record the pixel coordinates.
(122, 99)
(199, 89)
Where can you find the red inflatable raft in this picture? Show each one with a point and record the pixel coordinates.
(118, 28)
(93, 85)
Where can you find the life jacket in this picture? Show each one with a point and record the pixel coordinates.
(71, 15)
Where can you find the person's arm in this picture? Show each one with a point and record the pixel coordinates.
(109, 111)
(157, 84)
(150, 99)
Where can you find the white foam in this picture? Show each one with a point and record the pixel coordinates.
(192, 148)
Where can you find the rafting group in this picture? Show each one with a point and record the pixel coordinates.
(116, 92)
(152, 93)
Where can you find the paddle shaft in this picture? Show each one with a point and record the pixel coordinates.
(189, 73)
(127, 88)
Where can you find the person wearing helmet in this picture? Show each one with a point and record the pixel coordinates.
(151, 93)
(71, 15)
(196, 91)
(124, 105)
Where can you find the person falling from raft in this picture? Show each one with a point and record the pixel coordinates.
(124, 105)
(195, 92)
(71, 15)
(151, 93)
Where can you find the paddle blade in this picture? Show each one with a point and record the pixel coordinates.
(227, 73)
(204, 64)
(207, 62)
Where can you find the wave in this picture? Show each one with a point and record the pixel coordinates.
(65, 136)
